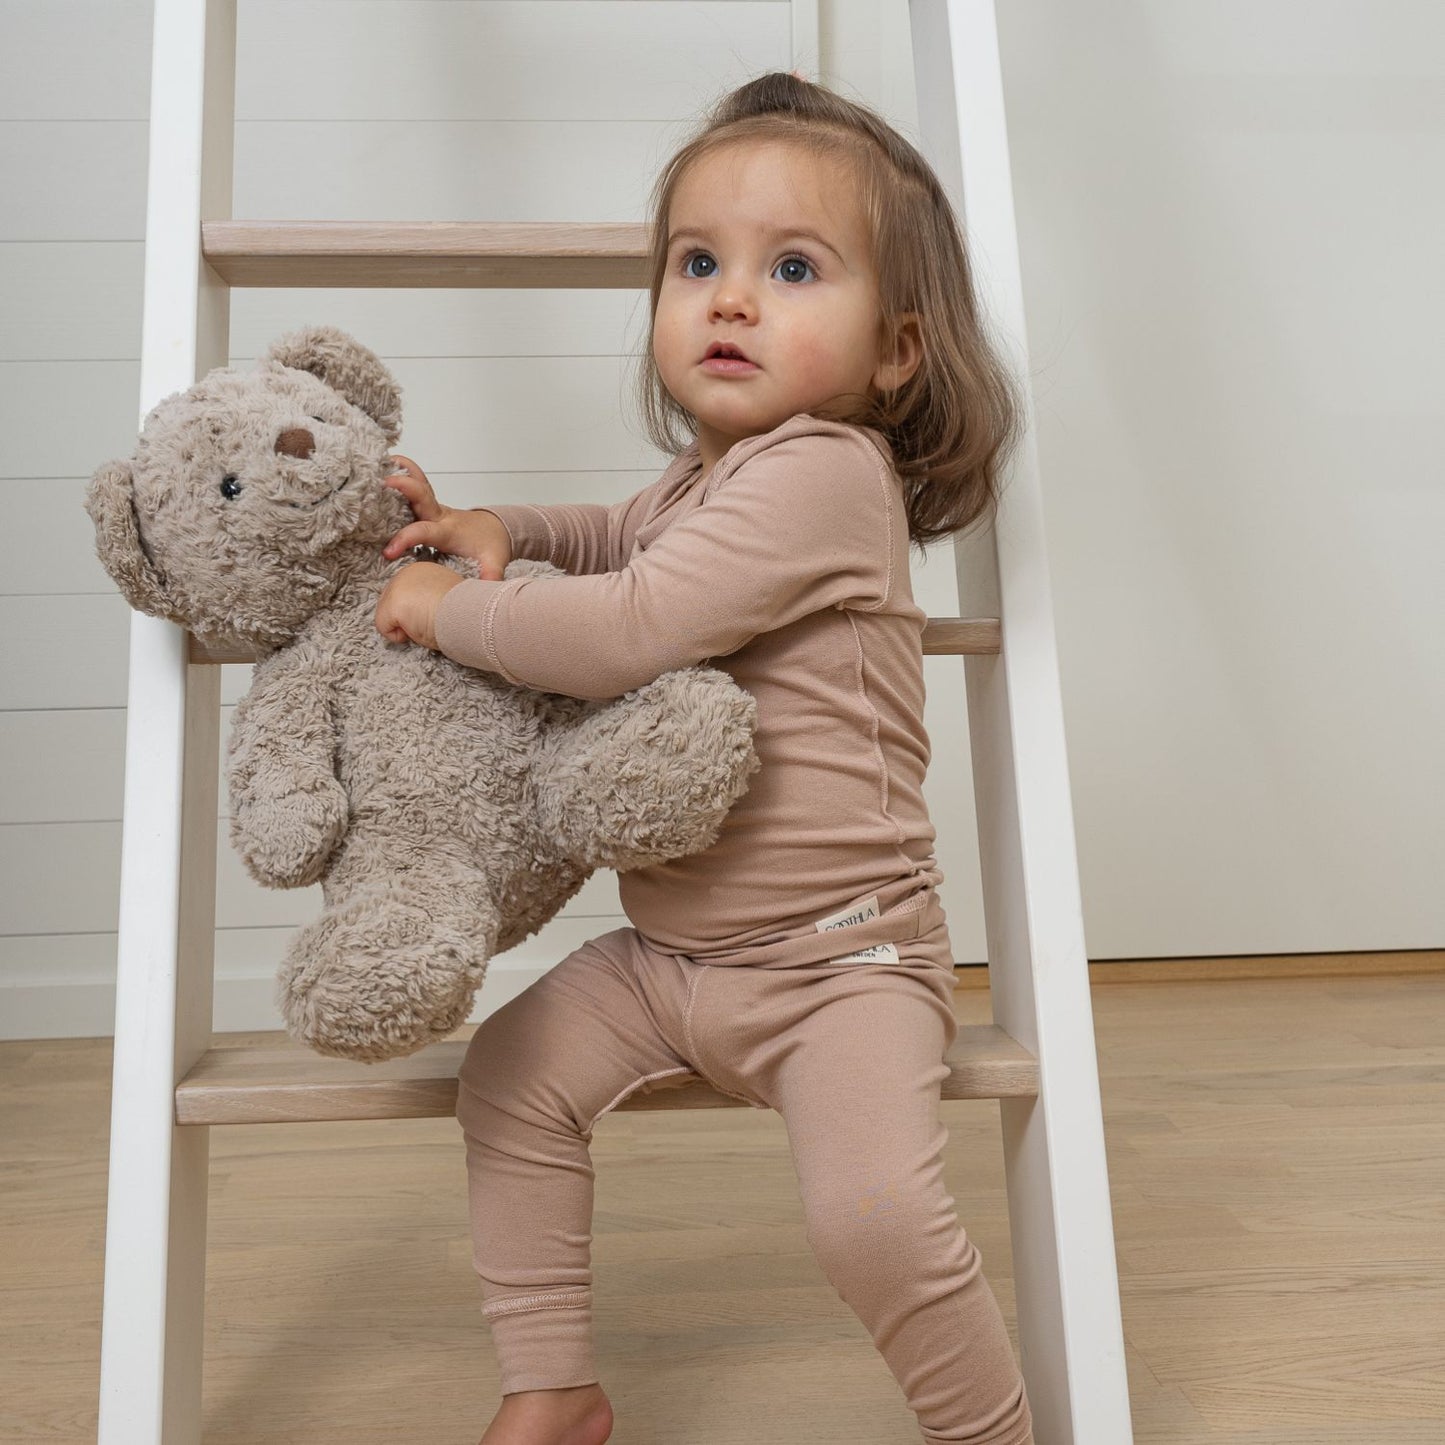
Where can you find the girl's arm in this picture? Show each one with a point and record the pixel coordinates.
(579, 537)
(810, 520)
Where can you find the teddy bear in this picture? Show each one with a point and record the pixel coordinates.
(446, 813)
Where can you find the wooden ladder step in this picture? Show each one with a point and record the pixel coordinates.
(565, 254)
(268, 1079)
(950, 636)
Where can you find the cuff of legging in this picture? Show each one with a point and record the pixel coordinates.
(544, 1348)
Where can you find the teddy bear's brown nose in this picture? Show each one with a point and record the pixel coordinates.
(298, 443)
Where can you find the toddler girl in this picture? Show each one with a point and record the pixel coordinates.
(820, 374)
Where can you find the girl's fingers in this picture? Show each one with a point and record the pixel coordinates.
(405, 466)
(418, 494)
(409, 536)
(410, 480)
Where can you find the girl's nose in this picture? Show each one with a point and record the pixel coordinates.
(732, 300)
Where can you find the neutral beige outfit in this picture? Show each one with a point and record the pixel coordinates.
(802, 962)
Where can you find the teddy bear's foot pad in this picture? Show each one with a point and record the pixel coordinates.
(384, 972)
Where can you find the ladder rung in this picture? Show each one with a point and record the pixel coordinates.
(564, 254)
(942, 635)
(241, 1082)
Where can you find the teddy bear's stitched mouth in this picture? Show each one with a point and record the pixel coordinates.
(321, 499)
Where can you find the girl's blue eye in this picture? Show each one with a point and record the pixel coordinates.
(786, 261)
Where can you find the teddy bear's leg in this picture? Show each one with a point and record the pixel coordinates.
(652, 776)
(391, 965)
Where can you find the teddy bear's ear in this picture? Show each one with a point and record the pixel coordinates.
(347, 366)
(118, 541)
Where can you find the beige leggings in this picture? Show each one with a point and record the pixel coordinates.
(851, 1057)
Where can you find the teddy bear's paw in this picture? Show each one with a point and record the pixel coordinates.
(287, 842)
(652, 776)
(382, 975)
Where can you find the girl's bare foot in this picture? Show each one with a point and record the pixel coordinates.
(576, 1415)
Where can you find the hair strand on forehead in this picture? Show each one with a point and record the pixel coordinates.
(954, 423)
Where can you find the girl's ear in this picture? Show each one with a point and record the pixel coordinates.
(902, 352)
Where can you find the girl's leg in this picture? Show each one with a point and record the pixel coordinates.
(859, 1092)
(537, 1075)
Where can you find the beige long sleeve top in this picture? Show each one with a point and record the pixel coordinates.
(787, 568)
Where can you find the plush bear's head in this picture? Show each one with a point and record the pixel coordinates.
(254, 496)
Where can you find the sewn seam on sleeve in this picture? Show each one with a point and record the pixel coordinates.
(551, 532)
(881, 473)
(489, 642)
(873, 735)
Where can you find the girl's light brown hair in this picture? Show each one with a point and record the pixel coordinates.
(953, 424)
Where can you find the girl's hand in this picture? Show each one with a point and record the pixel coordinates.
(406, 611)
(479, 535)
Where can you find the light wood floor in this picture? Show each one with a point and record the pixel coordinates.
(1277, 1156)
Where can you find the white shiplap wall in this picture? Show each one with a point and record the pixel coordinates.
(1228, 217)
(434, 109)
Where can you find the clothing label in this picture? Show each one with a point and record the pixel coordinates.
(859, 913)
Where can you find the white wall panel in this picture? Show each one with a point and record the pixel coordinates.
(79, 179)
(443, 323)
(520, 413)
(61, 767)
(412, 110)
(52, 546)
(73, 60)
(60, 877)
(71, 301)
(443, 60)
(35, 959)
(63, 651)
(1234, 316)
(63, 418)
(448, 170)
(416, 59)
(1228, 218)
(81, 301)
(489, 413)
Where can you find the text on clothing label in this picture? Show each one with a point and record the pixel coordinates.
(859, 913)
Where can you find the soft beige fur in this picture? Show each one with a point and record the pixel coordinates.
(446, 813)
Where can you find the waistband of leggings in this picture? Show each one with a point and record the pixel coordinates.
(914, 917)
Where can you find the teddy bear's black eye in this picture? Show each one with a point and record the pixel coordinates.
(230, 485)
(321, 419)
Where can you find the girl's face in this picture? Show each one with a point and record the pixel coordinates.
(803, 309)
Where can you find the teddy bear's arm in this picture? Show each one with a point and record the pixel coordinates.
(288, 810)
(651, 776)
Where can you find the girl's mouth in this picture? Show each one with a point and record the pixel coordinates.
(729, 366)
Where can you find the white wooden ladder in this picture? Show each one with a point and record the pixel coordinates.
(173, 1079)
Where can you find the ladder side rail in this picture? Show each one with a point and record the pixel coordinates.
(1061, 1224)
(154, 1290)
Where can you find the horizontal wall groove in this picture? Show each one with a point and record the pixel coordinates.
(511, 356)
(62, 707)
(1249, 708)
